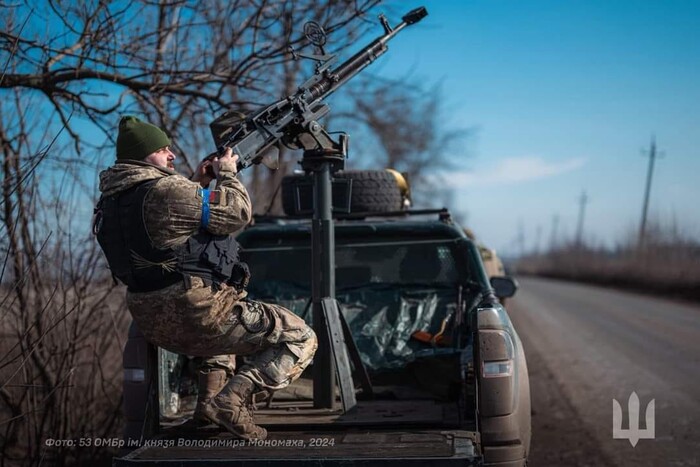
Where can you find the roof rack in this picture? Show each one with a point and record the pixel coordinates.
(443, 215)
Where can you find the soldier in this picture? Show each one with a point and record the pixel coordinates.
(169, 239)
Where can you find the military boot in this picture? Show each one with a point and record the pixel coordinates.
(231, 409)
(211, 382)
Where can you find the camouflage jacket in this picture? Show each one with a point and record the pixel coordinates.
(173, 207)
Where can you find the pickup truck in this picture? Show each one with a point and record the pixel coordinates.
(443, 378)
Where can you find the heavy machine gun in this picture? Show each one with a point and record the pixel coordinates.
(293, 121)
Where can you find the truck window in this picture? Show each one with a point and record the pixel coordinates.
(387, 290)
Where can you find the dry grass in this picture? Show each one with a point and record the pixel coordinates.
(667, 263)
(60, 364)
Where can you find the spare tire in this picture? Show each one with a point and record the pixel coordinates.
(372, 191)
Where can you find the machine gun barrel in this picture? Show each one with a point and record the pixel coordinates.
(361, 59)
(272, 123)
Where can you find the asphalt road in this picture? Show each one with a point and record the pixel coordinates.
(586, 345)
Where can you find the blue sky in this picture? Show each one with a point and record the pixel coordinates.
(563, 96)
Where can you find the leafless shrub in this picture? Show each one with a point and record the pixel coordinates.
(402, 124)
(62, 327)
(177, 63)
(668, 262)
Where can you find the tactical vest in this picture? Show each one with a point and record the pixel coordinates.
(121, 232)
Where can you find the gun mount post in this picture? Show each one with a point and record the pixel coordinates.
(331, 357)
(323, 285)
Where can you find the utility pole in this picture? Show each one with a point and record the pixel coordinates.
(650, 171)
(583, 200)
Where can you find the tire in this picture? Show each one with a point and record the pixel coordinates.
(372, 191)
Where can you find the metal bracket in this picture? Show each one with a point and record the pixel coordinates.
(340, 356)
(360, 370)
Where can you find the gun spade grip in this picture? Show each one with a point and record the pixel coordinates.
(414, 16)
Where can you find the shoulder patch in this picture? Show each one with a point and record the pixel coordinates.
(215, 197)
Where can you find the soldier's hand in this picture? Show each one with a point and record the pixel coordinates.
(204, 173)
(227, 161)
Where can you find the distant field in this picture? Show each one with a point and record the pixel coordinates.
(663, 268)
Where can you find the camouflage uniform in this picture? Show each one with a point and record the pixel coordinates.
(213, 373)
(202, 320)
(225, 363)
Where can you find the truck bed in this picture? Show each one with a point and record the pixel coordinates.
(294, 448)
(387, 432)
(422, 413)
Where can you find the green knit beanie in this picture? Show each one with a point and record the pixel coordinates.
(138, 139)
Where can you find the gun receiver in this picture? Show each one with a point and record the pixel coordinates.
(293, 121)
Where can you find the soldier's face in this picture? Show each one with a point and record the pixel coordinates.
(163, 157)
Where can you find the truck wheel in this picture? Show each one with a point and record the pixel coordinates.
(372, 191)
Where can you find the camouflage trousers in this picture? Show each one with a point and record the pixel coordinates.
(217, 362)
(204, 322)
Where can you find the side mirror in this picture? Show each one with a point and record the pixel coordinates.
(504, 286)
